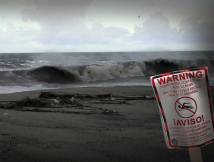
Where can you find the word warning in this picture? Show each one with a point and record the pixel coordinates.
(185, 105)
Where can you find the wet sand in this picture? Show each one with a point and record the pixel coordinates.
(131, 133)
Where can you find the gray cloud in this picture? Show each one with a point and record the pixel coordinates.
(62, 23)
(5, 36)
(155, 28)
(17, 35)
(192, 31)
(97, 34)
(54, 11)
(106, 35)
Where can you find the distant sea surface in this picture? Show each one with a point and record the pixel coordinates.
(35, 71)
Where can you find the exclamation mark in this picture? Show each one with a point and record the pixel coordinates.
(202, 117)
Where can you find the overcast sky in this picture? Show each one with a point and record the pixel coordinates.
(106, 25)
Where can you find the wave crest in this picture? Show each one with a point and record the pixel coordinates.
(159, 66)
(104, 71)
(52, 74)
(112, 71)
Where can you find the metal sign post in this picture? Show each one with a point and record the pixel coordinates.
(186, 111)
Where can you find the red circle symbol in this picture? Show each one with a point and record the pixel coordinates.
(185, 107)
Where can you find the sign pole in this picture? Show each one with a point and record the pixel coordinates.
(195, 155)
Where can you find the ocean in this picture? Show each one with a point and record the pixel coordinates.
(36, 71)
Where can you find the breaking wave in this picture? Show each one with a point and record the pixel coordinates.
(51, 74)
(108, 71)
(105, 71)
(159, 66)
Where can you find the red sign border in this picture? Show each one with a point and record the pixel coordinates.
(165, 125)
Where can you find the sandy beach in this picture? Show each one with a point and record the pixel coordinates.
(108, 124)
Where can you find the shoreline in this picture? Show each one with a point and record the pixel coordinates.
(133, 134)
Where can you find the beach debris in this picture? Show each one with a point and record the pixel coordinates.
(56, 100)
(27, 102)
(109, 112)
(72, 99)
(149, 97)
(73, 96)
(1, 106)
(47, 95)
(30, 102)
(139, 98)
(8, 106)
(11, 136)
(72, 103)
(110, 102)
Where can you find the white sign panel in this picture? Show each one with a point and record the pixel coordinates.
(185, 105)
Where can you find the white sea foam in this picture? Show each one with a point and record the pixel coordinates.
(111, 71)
(93, 69)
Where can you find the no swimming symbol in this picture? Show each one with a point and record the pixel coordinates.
(185, 107)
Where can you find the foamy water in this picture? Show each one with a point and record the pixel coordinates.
(23, 72)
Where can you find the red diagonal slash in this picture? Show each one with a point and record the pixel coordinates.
(183, 106)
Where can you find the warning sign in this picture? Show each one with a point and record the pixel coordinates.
(185, 105)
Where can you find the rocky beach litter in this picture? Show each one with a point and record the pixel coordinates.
(72, 103)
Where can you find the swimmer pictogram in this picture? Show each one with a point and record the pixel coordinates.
(185, 107)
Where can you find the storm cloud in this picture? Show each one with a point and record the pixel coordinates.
(93, 25)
